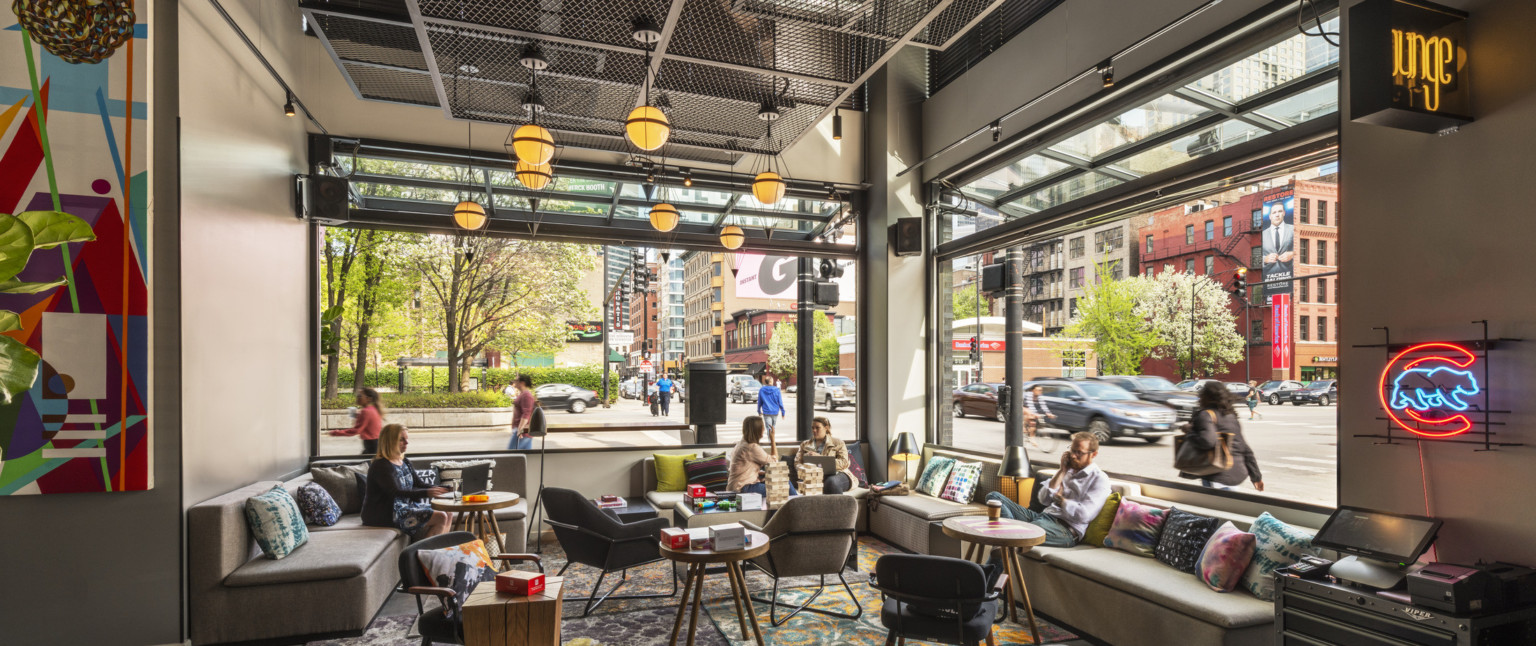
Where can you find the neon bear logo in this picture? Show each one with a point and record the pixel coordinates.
(1429, 389)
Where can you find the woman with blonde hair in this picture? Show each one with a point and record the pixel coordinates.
(396, 495)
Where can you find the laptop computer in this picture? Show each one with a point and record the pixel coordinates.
(475, 479)
(828, 463)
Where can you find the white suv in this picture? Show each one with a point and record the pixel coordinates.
(835, 390)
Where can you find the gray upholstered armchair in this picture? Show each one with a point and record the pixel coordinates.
(810, 536)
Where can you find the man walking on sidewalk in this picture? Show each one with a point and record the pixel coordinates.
(770, 402)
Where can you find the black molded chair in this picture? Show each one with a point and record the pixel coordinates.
(439, 624)
(937, 598)
(596, 538)
(810, 536)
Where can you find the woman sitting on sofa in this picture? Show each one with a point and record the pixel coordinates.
(823, 444)
(748, 458)
(396, 496)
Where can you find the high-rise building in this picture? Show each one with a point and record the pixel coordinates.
(707, 296)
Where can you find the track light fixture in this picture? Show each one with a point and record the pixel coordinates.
(837, 124)
(997, 130)
(831, 193)
(687, 178)
(288, 107)
(1107, 72)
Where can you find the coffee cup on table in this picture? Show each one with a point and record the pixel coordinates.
(994, 509)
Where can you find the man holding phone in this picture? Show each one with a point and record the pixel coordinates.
(1073, 497)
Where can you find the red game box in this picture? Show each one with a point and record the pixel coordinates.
(520, 583)
(675, 538)
(697, 491)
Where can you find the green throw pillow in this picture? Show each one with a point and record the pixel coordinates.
(670, 475)
(1099, 528)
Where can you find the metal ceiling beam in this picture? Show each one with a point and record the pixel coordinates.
(425, 43)
(668, 27)
(879, 63)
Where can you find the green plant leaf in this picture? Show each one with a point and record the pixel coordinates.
(18, 368)
(15, 245)
(53, 228)
(9, 321)
(18, 287)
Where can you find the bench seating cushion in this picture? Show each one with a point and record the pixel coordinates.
(664, 499)
(327, 555)
(1160, 584)
(930, 508)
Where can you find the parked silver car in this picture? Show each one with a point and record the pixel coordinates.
(835, 390)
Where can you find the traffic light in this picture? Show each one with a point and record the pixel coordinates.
(1240, 283)
(975, 350)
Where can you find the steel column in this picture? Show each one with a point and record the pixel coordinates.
(805, 367)
(1013, 366)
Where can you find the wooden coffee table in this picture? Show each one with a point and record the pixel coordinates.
(494, 618)
(479, 518)
(698, 561)
(1013, 537)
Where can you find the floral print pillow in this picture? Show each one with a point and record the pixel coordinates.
(275, 522)
(1225, 558)
(1136, 529)
(459, 568)
(317, 505)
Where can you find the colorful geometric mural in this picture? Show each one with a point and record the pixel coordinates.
(73, 139)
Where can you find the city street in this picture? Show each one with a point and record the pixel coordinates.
(1295, 445)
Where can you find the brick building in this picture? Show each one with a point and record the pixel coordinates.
(1217, 236)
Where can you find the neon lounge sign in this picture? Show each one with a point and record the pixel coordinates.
(1426, 389)
(1409, 65)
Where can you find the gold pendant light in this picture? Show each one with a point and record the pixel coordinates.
(469, 215)
(664, 217)
(532, 143)
(732, 237)
(768, 185)
(534, 176)
(647, 127)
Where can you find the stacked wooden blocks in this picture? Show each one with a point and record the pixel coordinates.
(810, 480)
(777, 479)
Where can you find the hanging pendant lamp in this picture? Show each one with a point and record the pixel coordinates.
(532, 142)
(732, 237)
(534, 176)
(647, 126)
(664, 217)
(469, 215)
(768, 185)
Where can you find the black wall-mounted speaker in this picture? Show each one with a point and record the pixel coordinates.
(994, 278)
(827, 294)
(907, 237)
(325, 198)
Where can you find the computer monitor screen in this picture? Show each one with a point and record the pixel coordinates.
(1379, 535)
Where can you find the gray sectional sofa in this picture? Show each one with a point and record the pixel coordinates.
(915, 522)
(664, 501)
(332, 585)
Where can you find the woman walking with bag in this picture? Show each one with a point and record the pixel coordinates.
(1253, 400)
(1214, 422)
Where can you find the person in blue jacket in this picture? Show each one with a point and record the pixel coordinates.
(770, 403)
(664, 390)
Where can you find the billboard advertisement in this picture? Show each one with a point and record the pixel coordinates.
(1279, 241)
(1282, 346)
(774, 276)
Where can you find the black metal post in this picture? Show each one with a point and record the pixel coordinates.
(1013, 362)
(805, 355)
(1248, 341)
(607, 298)
(981, 371)
(1193, 281)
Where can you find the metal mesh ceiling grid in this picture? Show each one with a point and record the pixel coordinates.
(599, 21)
(372, 42)
(709, 30)
(392, 85)
(950, 21)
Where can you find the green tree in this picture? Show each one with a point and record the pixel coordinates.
(782, 357)
(1107, 313)
(965, 303)
(338, 252)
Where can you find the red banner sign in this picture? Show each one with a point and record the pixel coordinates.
(986, 345)
(1281, 349)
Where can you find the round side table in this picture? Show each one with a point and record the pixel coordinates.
(479, 518)
(1013, 537)
(698, 561)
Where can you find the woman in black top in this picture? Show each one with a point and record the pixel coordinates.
(1214, 418)
(396, 496)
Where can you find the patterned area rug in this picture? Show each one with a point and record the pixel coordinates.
(648, 622)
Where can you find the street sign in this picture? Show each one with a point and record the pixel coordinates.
(621, 338)
(647, 367)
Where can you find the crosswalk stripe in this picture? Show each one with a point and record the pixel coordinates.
(1299, 467)
(1302, 459)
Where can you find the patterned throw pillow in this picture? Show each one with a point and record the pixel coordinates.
(1275, 545)
(962, 482)
(318, 507)
(714, 473)
(275, 522)
(935, 475)
(1099, 527)
(459, 568)
(1225, 558)
(856, 465)
(1135, 529)
(428, 476)
(342, 483)
(670, 475)
(1183, 538)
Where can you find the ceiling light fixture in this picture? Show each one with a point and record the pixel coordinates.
(532, 142)
(534, 176)
(732, 237)
(664, 217)
(288, 106)
(647, 126)
(768, 184)
(687, 178)
(467, 214)
(469, 69)
(1107, 72)
(837, 124)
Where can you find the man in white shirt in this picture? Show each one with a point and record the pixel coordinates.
(1278, 241)
(1073, 497)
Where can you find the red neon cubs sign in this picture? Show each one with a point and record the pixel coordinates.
(1426, 389)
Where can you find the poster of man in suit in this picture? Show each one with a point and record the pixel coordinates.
(1279, 239)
